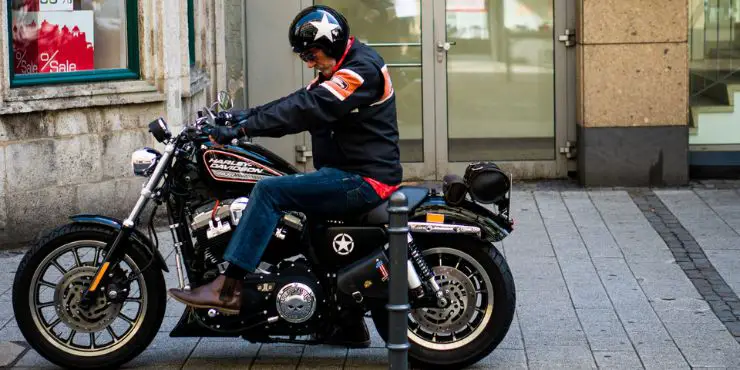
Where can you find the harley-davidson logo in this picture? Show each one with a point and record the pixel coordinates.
(239, 169)
(228, 164)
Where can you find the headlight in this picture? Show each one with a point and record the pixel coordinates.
(160, 130)
(144, 160)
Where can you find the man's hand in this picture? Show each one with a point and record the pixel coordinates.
(224, 134)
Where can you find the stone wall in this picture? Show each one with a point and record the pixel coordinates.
(65, 149)
(633, 92)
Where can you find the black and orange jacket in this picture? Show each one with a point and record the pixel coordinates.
(351, 116)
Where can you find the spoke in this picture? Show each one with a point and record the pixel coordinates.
(47, 284)
(112, 334)
(458, 263)
(137, 300)
(481, 291)
(479, 310)
(128, 320)
(440, 259)
(71, 336)
(44, 305)
(58, 266)
(98, 251)
(78, 263)
(55, 323)
(92, 340)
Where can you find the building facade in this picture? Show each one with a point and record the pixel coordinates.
(546, 88)
(627, 92)
(79, 83)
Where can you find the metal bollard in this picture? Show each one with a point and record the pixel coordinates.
(398, 300)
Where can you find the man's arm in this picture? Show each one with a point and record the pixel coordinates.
(349, 88)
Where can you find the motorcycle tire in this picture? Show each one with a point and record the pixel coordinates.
(142, 333)
(493, 332)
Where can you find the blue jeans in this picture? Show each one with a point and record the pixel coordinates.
(328, 192)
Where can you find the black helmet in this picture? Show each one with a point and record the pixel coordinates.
(320, 27)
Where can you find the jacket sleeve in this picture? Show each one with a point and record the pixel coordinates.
(349, 88)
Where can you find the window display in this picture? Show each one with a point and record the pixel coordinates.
(63, 36)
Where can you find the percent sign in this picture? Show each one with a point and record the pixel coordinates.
(48, 59)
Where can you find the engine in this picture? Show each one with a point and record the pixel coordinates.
(213, 226)
(290, 301)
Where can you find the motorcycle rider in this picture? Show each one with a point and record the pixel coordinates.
(350, 111)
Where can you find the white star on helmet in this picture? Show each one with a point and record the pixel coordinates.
(324, 29)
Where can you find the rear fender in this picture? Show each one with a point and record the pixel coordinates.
(136, 236)
(494, 227)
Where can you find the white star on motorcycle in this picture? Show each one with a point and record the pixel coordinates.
(324, 29)
(343, 244)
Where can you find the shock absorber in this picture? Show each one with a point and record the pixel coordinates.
(425, 273)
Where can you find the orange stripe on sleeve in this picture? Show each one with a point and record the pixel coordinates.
(343, 83)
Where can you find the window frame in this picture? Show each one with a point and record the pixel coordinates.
(191, 32)
(133, 70)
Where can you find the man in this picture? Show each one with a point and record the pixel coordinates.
(350, 111)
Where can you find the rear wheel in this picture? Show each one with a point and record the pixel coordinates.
(481, 295)
(112, 330)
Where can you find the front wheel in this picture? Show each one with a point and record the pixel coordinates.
(114, 328)
(481, 294)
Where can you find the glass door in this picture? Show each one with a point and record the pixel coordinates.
(499, 68)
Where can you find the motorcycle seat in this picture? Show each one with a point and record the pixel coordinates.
(379, 215)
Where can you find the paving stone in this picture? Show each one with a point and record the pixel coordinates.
(617, 360)
(323, 357)
(33, 359)
(368, 358)
(165, 351)
(606, 336)
(565, 357)
(278, 356)
(688, 310)
(9, 352)
(706, 345)
(222, 352)
(502, 359)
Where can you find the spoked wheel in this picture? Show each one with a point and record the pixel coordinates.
(481, 301)
(120, 322)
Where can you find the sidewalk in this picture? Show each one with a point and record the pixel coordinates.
(605, 279)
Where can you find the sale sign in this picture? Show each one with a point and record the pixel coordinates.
(55, 5)
(48, 42)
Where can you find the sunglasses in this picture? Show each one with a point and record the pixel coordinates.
(307, 56)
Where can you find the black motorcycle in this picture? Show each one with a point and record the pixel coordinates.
(91, 293)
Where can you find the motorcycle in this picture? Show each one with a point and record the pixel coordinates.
(91, 293)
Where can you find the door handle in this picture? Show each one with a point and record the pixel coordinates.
(445, 46)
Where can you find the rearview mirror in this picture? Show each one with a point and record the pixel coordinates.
(224, 100)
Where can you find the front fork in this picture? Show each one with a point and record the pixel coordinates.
(116, 251)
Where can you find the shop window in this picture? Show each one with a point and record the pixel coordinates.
(66, 41)
(191, 31)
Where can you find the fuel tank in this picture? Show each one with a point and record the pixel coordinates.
(230, 170)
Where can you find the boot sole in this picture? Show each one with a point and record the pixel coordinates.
(193, 305)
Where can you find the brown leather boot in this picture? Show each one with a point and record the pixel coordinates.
(223, 294)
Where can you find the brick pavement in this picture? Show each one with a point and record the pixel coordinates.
(608, 278)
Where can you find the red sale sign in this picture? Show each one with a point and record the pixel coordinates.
(47, 42)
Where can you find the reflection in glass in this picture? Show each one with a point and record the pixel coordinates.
(384, 24)
(68, 36)
(500, 79)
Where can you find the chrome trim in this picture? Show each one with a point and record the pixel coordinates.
(392, 44)
(401, 65)
(178, 266)
(431, 227)
(162, 164)
(144, 160)
(413, 277)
